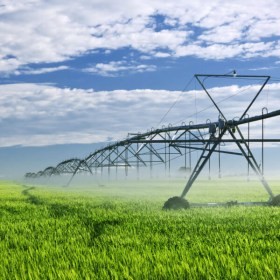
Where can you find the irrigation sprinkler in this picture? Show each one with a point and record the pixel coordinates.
(244, 146)
(163, 145)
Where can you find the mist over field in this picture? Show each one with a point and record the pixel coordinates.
(119, 230)
(78, 77)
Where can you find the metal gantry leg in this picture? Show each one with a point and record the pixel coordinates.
(219, 155)
(165, 156)
(185, 152)
(209, 166)
(126, 161)
(204, 157)
(263, 109)
(190, 156)
(138, 162)
(117, 153)
(151, 162)
(169, 161)
(248, 166)
(251, 161)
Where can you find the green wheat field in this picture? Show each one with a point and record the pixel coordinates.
(118, 230)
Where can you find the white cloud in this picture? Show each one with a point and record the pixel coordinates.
(262, 68)
(214, 51)
(8, 65)
(162, 54)
(264, 29)
(39, 71)
(223, 34)
(36, 114)
(40, 31)
(116, 68)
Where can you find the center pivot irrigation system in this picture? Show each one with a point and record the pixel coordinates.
(161, 146)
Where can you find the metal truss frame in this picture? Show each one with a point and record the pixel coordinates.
(162, 145)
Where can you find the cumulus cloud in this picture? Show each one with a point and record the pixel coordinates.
(38, 71)
(37, 114)
(8, 65)
(40, 31)
(117, 68)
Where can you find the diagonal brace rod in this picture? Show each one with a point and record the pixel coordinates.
(202, 161)
(252, 161)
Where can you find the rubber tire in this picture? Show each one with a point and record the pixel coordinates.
(275, 200)
(176, 203)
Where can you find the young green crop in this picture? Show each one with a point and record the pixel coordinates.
(110, 233)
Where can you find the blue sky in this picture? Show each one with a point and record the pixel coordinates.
(83, 72)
